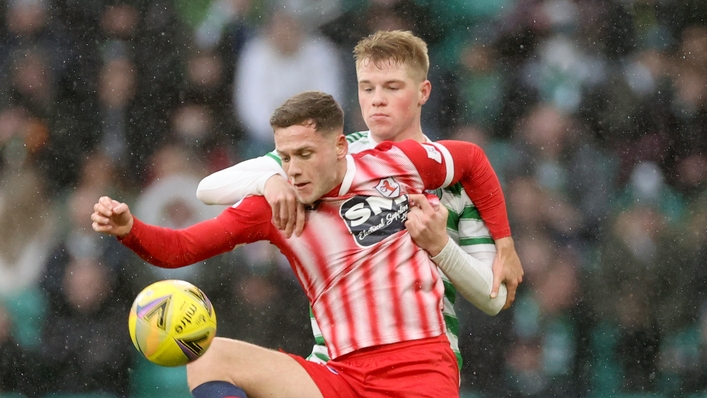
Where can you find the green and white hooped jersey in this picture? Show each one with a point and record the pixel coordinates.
(464, 225)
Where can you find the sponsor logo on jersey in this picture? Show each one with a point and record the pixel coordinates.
(371, 219)
(388, 187)
(433, 153)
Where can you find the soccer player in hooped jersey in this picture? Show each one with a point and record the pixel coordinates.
(376, 295)
(392, 71)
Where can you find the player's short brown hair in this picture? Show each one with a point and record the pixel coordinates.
(399, 46)
(315, 107)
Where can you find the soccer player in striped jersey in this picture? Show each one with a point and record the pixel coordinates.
(392, 88)
(376, 295)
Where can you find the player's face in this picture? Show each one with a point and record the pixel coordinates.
(391, 100)
(314, 162)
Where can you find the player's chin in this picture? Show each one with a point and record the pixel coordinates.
(382, 132)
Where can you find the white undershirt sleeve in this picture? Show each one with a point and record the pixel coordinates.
(228, 186)
(472, 277)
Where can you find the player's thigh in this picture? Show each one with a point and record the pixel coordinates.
(261, 372)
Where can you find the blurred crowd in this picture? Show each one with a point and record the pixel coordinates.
(593, 113)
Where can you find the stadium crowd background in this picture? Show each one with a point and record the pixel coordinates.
(593, 113)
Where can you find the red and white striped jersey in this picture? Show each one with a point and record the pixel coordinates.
(367, 282)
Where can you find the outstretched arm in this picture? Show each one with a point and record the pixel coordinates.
(170, 248)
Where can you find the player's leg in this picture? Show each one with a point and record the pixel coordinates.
(258, 371)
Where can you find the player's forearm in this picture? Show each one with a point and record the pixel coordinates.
(168, 248)
(472, 278)
(474, 171)
(228, 186)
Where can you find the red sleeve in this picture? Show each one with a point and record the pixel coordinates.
(473, 170)
(248, 222)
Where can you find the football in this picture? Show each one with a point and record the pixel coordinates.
(172, 322)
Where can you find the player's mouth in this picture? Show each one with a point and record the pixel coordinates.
(301, 185)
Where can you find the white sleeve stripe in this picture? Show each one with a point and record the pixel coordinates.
(448, 161)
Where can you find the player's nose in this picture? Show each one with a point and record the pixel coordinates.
(378, 97)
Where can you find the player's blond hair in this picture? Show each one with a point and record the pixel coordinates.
(399, 46)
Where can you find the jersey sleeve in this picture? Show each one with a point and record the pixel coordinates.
(481, 185)
(228, 186)
(447, 162)
(247, 222)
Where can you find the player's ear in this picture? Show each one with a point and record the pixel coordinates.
(342, 146)
(424, 91)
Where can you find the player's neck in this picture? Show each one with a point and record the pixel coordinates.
(412, 133)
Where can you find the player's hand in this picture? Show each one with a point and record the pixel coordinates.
(506, 269)
(427, 223)
(111, 217)
(287, 211)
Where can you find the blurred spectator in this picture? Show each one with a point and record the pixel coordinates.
(19, 368)
(27, 228)
(552, 148)
(284, 58)
(32, 33)
(31, 81)
(223, 18)
(207, 92)
(482, 84)
(117, 87)
(641, 288)
(542, 355)
(86, 348)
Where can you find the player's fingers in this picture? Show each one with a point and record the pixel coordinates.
(275, 207)
(100, 227)
(414, 222)
(98, 218)
(417, 200)
(106, 202)
(496, 285)
(510, 298)
(300, 219)
(511, 287)
(119, 208)
(289, 226)
(290, 214)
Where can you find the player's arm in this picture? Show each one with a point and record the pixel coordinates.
(260, 176)
(170, 248)
(467, 163)
(471, 276)
(484, 189)
(443, 163)
(228, 186)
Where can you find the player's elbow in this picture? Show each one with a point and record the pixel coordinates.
(204, 193)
